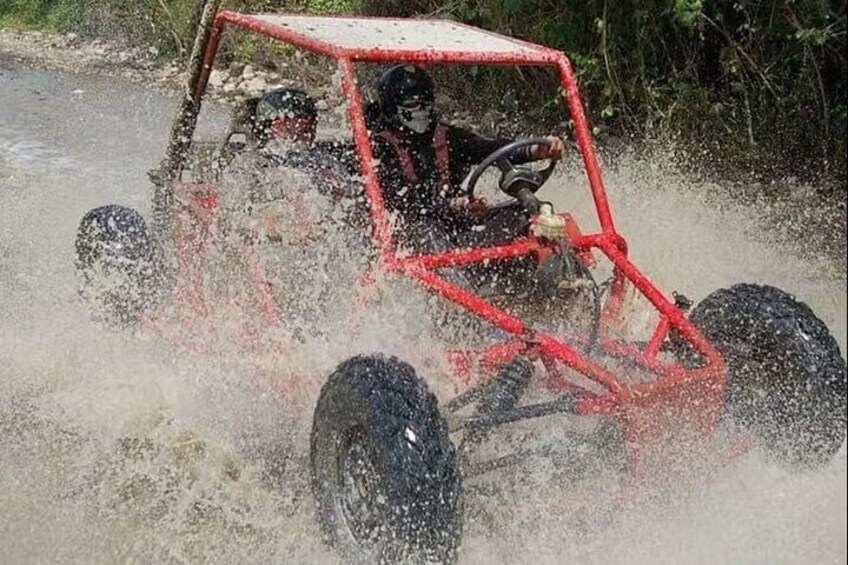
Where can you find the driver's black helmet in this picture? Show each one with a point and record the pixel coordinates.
(282, 102)
(407, 97)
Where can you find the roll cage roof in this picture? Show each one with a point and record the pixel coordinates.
(351, 40)
(388, 39)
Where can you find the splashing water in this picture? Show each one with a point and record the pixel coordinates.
(117, 447)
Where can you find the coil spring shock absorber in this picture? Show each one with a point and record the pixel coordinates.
(509, 383)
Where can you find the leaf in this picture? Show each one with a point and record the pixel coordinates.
(688, 12)
(514, 7)
(812, 36)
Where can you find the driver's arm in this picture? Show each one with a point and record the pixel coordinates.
(469, 149)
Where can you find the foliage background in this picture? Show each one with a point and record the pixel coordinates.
(753, 85)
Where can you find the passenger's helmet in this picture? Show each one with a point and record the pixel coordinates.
(285, 112)
(406, 96)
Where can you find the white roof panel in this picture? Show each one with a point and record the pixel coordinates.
(401, 35)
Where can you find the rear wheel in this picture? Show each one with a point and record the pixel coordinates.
(118, 265)
(384, 471)
(786, 376)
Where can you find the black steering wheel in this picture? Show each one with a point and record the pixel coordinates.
(518, 181)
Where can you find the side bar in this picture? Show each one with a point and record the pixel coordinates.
(518, 248)
(379, 214)
(657, 339)
(675, 317)
(584, 141)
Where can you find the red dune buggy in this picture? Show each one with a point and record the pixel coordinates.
(749, 365)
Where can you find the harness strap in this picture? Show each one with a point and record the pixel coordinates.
(440, 145)
(403, 154)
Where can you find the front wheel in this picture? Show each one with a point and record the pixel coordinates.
(786, 377)
(384, 471)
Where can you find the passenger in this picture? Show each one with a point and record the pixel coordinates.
(283, 167)
(286, 187)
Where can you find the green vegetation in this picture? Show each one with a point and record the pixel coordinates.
(35, 14)
(756, 84)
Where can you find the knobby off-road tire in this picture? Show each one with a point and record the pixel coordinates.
(786, 377)
(118, 265)
(384, 470)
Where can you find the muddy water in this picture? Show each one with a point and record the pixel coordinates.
(118, 448)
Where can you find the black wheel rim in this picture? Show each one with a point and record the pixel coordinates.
(359, 495)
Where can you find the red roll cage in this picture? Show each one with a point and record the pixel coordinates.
(377, 40)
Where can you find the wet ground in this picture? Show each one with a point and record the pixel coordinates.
(117, 448)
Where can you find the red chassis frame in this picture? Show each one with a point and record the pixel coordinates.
(695, 396)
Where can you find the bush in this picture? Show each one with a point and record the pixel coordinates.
(49, 14)
(757, 83)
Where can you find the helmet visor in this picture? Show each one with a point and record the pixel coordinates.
(416, 114)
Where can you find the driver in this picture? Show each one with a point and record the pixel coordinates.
(423, 162)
